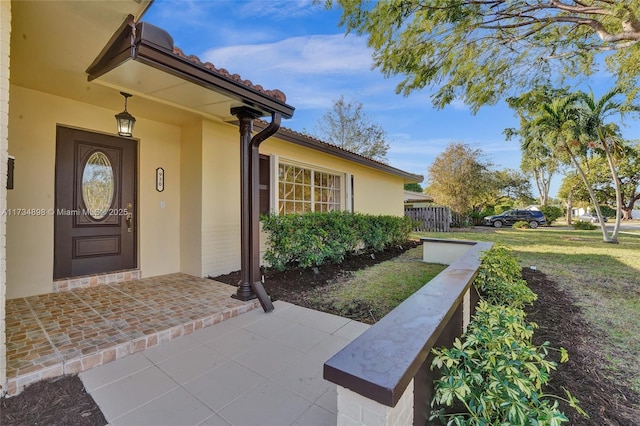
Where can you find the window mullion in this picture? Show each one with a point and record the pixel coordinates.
(313, 190)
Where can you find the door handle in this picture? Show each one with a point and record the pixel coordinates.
(129, 217)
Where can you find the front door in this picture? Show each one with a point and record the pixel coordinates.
(95, 204)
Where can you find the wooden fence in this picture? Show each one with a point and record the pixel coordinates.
(430, 219)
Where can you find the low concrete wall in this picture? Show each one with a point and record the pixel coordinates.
(445, 252)
(387, 367)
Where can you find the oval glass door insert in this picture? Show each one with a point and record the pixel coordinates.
(98, 185)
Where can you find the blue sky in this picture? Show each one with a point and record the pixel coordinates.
(298, 47)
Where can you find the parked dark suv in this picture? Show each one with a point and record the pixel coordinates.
(535, 218)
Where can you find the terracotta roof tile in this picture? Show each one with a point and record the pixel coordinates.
(313, 141)
(276, 94)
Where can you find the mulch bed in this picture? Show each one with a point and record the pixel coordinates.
(65, 402)
(561, 322)
(62, 401)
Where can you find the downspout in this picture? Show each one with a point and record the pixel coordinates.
(250, 282)
(254, 269)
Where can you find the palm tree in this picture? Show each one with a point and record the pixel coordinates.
(560, 121)
(605, 136)
(537, 156)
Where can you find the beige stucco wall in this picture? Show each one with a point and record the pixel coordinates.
(191, 199)
(32, 140)
(374, 192)
(221, 198)
(5, 32)
(210, 199)
(159, 218)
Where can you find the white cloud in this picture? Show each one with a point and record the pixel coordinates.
(459, 105)
(307, 55)
(187, 12)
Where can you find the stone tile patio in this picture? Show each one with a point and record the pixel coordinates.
(65, 333)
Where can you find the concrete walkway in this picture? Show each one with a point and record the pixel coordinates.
(253, 369)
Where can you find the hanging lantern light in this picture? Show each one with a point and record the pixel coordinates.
(124, 120)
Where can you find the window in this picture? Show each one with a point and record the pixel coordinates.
(303, 190)
(264, 184)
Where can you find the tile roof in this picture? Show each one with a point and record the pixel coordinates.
(315, 143)
(275, 93)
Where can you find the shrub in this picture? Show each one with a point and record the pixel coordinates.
(476, 217)
(487, 211)
(499, 279)
(494, 374)
(521, 224)
(551, 213)
(502, 208)
(583, 226)
(311, 239)
(461, 220)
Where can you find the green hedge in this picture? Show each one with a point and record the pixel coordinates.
(312, 239)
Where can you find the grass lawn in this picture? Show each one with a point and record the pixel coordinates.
(372, 292)
(603, 278)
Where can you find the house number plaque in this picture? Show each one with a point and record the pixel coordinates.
(159, 179)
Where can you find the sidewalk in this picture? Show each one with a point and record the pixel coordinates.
(254, 369)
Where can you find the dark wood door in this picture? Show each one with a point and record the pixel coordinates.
(95, 220)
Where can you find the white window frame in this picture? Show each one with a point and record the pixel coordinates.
(276, 161)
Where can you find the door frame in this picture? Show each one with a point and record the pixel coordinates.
(136, 203)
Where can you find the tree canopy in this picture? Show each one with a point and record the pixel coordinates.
(415, 187)
(573, 128)
(346, 125)
(599, 176)
(459, 178)
(512, 185)
(537, 156)
(481, 51)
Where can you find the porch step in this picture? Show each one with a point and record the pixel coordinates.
(86, 281)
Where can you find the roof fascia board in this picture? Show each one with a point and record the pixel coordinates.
(154, 47)
(118, 49)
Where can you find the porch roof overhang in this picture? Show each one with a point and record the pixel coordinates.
(310, 142)
(142, 59)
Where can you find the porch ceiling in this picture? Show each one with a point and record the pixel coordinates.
(144, 81)
(53, 43)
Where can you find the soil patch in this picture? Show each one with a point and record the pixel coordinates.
(561, 322)
(298, 286)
